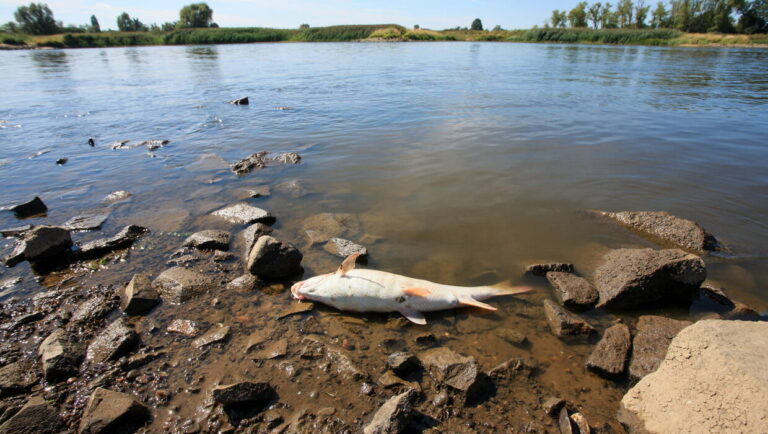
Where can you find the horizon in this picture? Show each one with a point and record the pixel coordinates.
(292, 13)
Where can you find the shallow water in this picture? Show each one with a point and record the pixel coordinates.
(466, 158)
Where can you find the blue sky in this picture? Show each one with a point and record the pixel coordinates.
(436, 14)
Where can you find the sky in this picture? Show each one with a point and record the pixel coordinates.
(433, 14)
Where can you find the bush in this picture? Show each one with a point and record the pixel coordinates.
(427, 35)
(388, 33)
(603, 36)
(342, 33)
(226, 36)
(111, 39)
(12, 40)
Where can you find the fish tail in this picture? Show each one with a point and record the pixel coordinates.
(506, 288)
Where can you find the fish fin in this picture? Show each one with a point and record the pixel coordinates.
(348, 264)
(417, 292)
(506, 288)
(413, 315)
(468, 301)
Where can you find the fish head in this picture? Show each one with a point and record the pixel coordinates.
(313, 288)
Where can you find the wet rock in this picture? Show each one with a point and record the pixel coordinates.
(183, 327)
(115, 341)
(574, 292)
(451, 368)
(393, 417)
(252, 233)
(631, 278)
(17, 231)
(742, 312)
(29, 209)
(582, 425)
(93, 309)
(87, 222)
(113, 412)
(564, 323)
(246, 392)
(652, 338)
(117, 196)
(255, 340)
(564, 422)
(208, 240)
(139, 360)
(257, 192)
(544, 268)
(219, 256)
(256, 160)
(271, 259)
(244, 283)
(609, 358)
(712, 379)
(320, 228)
(139, 297)
(553, 405)
(295, 308)
(514, 337)
(272, 350)
(217, 333)
(21, 319)
(288, 158)
(441, 399)
(343, 248)
(122, 240)
(666, 229)
(389, 380)
(293, 188)
(62, 161)
(91, 142)
(242, 213)
(153, 144)
(16, 378)
(179, 285)
(40, 244)
(37, 417)
(403, 363)
(120, 144)
(240, 101)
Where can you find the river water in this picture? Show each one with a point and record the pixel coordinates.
(466, 159)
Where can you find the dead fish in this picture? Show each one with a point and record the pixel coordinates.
(358, 290)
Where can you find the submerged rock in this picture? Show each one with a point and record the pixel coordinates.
(208, 240)
(29, 209)
(343, 248)
(240, 101)
(320, 228)
(609, 358)
(37, 416)
(246, 392)
(393, 417)
(242, 213)
(271, 259)
(666, 229)
(574, 292)
(115, 341)
(179, 285)
(61, 354)
(117, 196)
(244, 283)
(217, 333)
(16, 378)
(40, 244)
(139, 297)
(712, 379)
(631, 278)
(17, 231)
(113, 412)
(654, 333)
(260, 159)
(87, 222)
(122, 240)
(564, 323)
(543, 268)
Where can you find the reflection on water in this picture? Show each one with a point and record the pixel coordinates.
(50, 63)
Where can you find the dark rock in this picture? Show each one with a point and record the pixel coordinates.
(320, 228)
(256, 160)
(403, 363)
(113, 412)
(514, 337)
(240, 101)
(179, 285)
(16, 231)
(393, 417)
(40, 244)
(652, 339)
(631, 278)
(553, 405)
(93, 309)
(115, 341)
(450, 368)
(343, 248)
(246, 392)
(208, 240)
(609, 358)
(564, 323)
(217, 333)
(62, 161)
(88, 222)
(139, 297)
(117, 196)
(271, 259)
(183, 327)
(244, 283)
(666, 229)
(29, 209)
(544, 268)
(91, 142)
(20, 320)
(16, 378)
(564, 422)
(122, 240)
(574, 292)
(716, 296)
(242, 213)
(36, 417)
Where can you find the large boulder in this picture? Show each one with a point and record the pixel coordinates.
(40, 244)
(113, 342)
(36, 417)
(632, 278)
(652, 338)
(712, 379)
(208, 240)
(394, 415)
(242, 213)
(271, 259)
(138, 297)
(122, 240)
(61, 354)
(666, 229)
(113, 412)
(564, 323)
(575, 292)
(609, 358)
(178, 284)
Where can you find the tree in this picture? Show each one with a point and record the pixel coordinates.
(659, 17)
(416, 27)
(497, 28)
(195, 15)
(578, 15)
(477, 24)
(641, 13)
(559, 19)
(127, 24)
(36, 19)
(753, 16)
(304, 26)
(624, 12)
(168, 26)
(95, 27)
(595, 14)
(9, 27)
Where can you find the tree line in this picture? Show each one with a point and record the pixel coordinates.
(699, 16)
(37, 19)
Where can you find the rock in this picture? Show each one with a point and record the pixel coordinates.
(153, 144)
(113, 412)
(122, 240)
(120, 144)
(117, 196)
(514, 337)
(293, 188)
(581, 423)
(179, 285)
(87, 222)
(564, 323)
(564, 422)
(544, 268)
(654, 333)
(256, 160)
(271, 259)
(288, 158)
(244, 283)
(183, 327)
(217, 333)
(609, 358)
(252, 233)
(631, 278)
(29, 209)
(322, 227)
(139, 360)
(240, 101)
(246, 392)
(343, 248)
(716, 296)
(16, 378)
(219, 256)
(574, 292)
(62, 161)
(295, 308)
(713, 379)
(21, 319)
(450, 368)
(666, 229)
(242, 213)
(391, 381)
(36, 417)
(272, 350)
(113, 342)
(93, 309)
(91, 142)
(742, 312)
(393, 417)
(139, 297)
(17, 231)
(553, 405)
(208, 240)
(403, 363)
(342, 363)
(257, 192)
(41, 243)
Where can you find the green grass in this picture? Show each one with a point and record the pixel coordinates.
(427, 35)
(388, 33)
(226, 36)
(602, 36)
(341, 33)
